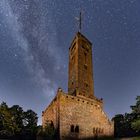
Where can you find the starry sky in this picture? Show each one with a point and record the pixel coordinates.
(34, 39)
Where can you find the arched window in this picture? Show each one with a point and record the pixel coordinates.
(51, 124)
(94, 131)
(77, 129)
(72, 128)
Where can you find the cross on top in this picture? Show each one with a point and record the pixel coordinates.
(79, 19)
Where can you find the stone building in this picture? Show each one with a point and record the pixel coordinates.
(78, 113)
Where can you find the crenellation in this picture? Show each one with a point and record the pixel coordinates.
(77, 98)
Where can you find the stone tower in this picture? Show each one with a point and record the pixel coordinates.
(80, 67)
(78, 114)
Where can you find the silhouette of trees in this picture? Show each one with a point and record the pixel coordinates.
(48, 132)
(136, 108)
(17, 115)
(14, 121)
(136, 112)
(7, 125)
(128, 124)
(30, 122)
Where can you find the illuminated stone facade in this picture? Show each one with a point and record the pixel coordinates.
(78, 113)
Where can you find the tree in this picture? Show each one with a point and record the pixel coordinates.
(30, 121)
(17, 118)
(7, 126)
(14, 121)
(136, 108)
(135, 124)
(118, 125)
(128, 124)
(48, 132)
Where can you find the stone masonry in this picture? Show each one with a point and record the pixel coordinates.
(78, 114)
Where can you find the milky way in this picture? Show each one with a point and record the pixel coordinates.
(35, 37)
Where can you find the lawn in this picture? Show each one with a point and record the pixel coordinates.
(133, 138)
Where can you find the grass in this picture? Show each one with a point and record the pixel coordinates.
(132, 138)
(136, 138)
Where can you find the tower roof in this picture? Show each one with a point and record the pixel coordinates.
(79, 35)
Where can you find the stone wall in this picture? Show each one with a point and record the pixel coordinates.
(50, 114)
(88, 116)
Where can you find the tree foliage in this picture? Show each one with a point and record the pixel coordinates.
(136, 125)
(12, 120)
(48, 132)
(136, 108)
(136, 111)
(128, 124)
(30, 122)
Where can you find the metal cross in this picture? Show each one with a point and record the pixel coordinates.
(80, 21)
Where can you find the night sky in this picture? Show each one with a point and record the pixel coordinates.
(35, 37)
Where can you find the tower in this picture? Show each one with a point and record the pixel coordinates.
(78, 114)
(80, 80)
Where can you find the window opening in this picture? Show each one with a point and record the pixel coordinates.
(72, 128)
(77, 129)
(85, 58)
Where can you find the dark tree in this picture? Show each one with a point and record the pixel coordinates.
(15, 122)
(128, 124)
(17, 118)
(118, 125)
(136, 108)
(6, 123)
(136, 112)
(30, 121)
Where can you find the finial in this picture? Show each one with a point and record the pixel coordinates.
(79, 19)
(80, 22)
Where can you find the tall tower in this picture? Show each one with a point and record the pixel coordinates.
(80, 81)
(78, 114)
